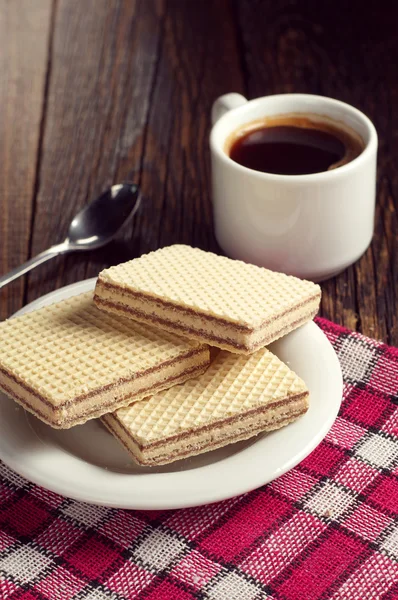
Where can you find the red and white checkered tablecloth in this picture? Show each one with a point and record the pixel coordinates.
(326, 529)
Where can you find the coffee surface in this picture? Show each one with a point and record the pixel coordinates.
(294, 146)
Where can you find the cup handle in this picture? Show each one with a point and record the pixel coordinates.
(225, 103)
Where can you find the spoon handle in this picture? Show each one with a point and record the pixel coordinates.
(32, 263)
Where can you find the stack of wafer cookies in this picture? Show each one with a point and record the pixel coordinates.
(137, 354)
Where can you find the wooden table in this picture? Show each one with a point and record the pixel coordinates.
(96, 91)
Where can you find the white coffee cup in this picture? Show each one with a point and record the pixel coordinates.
(312, 226)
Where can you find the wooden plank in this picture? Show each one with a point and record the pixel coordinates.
(102, 67)
(349, 54)
(131, 88)
(199, 60)
(24, 35)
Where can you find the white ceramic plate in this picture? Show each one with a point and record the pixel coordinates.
(88, 464)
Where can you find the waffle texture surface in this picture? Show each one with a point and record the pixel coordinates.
(209, 284)
(71, 350)
(233, 388)
(326, 529)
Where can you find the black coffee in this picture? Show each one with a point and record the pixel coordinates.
(293, 146)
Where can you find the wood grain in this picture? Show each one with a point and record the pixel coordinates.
(103, 63)
(24, 35)
(130, 96)
(125, 91)
(198, 61)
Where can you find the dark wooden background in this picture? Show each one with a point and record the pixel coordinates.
(97, 91)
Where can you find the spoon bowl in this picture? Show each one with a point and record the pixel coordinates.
(98, 222)
(94, 226)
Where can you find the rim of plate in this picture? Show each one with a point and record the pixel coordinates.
(264, 460)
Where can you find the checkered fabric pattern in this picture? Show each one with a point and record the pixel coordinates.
(326, 529)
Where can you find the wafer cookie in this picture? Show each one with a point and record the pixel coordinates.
(220, 301)
(69, 362)
(235, 399)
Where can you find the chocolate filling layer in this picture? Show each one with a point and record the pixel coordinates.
(227, 421)
(231, 439)
(99, 390)
(204, 335)
(190, 311)
(183, 453)
(197, 369)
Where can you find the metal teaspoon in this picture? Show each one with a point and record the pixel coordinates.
(94, 226)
